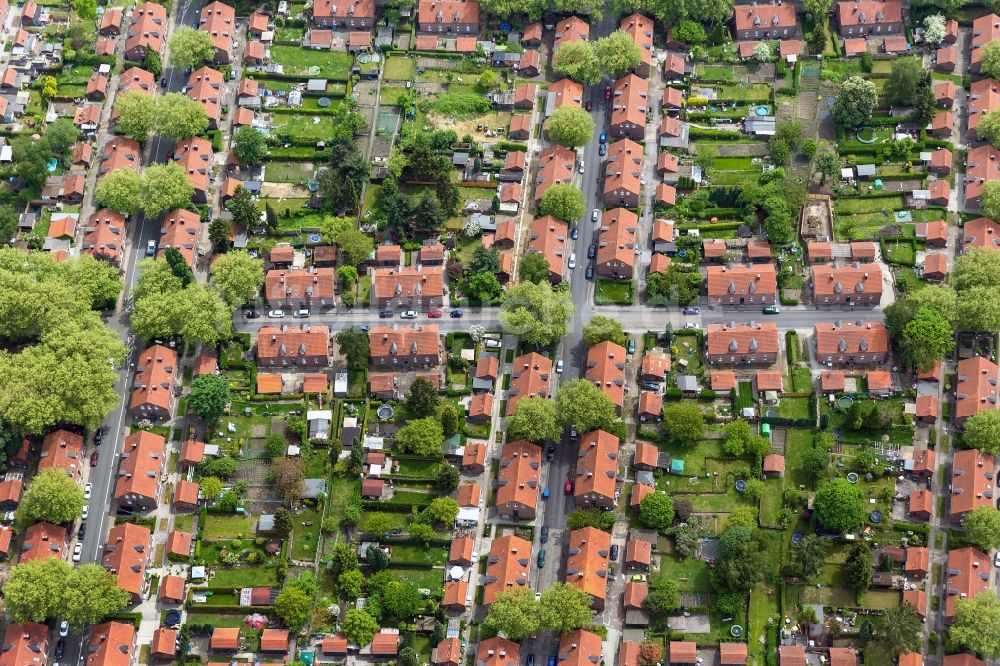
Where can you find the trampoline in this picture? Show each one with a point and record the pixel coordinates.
(876, 517)
(852, 477)
(741, 485)
(845, 402)
(736, 631)
(385, 412)
(867, 135)
(797, 537)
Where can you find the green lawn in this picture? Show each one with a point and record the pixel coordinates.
(794, 408)
(306, 127)
(802, 381)
(289, 172)
(869, 205)
(218, 527)
(399, 68)
(771, 501)
(763, 606)
(421, 467)
(243, 577)
(184, 523)
(224, 620)
(842, 596)
(692, 575)
(431, 579)
(901, 253)
(398, 519)
(617, 292)
(429, 555)
(305, 534)
(340, 489)
(298, 61)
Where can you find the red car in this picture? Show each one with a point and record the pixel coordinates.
(568, 488)
(93, 459)
(434, 314)
(589, 105)
(607, 92)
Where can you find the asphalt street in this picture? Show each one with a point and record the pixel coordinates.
(102, 476)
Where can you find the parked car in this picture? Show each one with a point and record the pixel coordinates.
(581, 166)
(88, 489)
(603, 150)
(301, 314)
(568, 488)
(60, 648)
(251, 314)
(614, 552)
(545, 493)
(631, 346)
(86, 512)
(98, 435)
(590, 272)
(589, 105)
(545, 534)
(550, 454)
(607, 95)
(572, 260)
(64, 628)
(771, 310)
(592, 251)
(408, 314)
(531, 660)
(434, 314)
(559, 367)
(77, 551)
(692, 310)
(574, 233)
(276, 314)
(541, 558)
(691, 325)
(150, 248)
(650, 386)
(385, 314)
(596, 215)
(456, 314)
(82, 531)
(364, 328)
(604, 137)
(93, 459)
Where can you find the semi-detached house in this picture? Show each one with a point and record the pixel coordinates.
(153, 388)
(596, 470)
(518, 480)
(587, 563)
(138, 485)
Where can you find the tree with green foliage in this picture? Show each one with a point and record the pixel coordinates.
(178, 116)
(534, 267)
(359, 627)
(442, 510)
(178, 266)
(353, 345)
(293, 606)
(423, 399)
(61, 135)
(656, 511)
(578, 61)
(282, 521)
(675, 287)
(49, 589)
(353, 246)
(53, 497)
(739, 562)
(534, 419)
(210, 486)
(152, 63)
(403, 600)
(485, 260)
(422, 437)
(449, 419)
(924, 103)
(818, 39)
(593, 517)
(684, 422)
(342, 182)
(982, 431)
(91, 594)
(564, 607)
(976, 626)
(190, 47)
(982, 527)
(375, 558)
(604, 329)
(136, 115)
(350, 583)
(243, 208)
(989, 59)
(664, 596)
(858, 567)
(31, 160)
(806, 558)
(249, 145)
(428, 215)
(906, 74)
(223, 467)
(119, 190)
(855, 102)
(926, 339)
(779, 150)
(562, 201)
(164, 187)
(583, 406)
(238, 277)
(617, 53)
(689, 32)
(379, 523)
(817, 9)
(839, 505)
(196, 313)
(902, 629)
(209, 397)
(482, 287)
(827, 163)
(536, 313)
(570, 126)
(531, 9)
(447, 478)
(514, 613)
(220, 234)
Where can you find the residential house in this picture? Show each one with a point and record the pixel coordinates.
(975, 389)
(138, 485)
(765, 21)
(120, 153)
(401, 348)
(754, 343)
(587, 563)
(981, 232)
(616, 248)
(530, 375)
(44, 541)
(596, 470)
(563, 92)
(935, 234)
(63, 450)
(860, 18)
(186, 496)
(408, 287)
(927, 409)
(847, 284)
(25, 643)
(968, 574)
(555, 166)
(146, 31)
(985, 29)
(640, 29)
(194, 155)
(507, 566)
(606, 369)
(628, 107)
(153, 388)
(180, 230)
(518, 480)
(285, 346)
(448, 16)
(205, 87)
(982, 165)
(498, 651)
(300, 288)
(972, 478)
(742, 285)
(569, 30)
(547, 236)
(126, 555)
(622, 174)
(851, 343)
(111, 644)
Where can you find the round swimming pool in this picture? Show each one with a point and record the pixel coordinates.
(762, 110)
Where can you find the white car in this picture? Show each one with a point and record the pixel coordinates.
(572, 260)
(276, 314)
(691, 324)
(77, 551)
(88, 488)
(996, 560)
(408, 314)
(559, 366)
(581, 166)
(86, 512)
(596, 215)
(64, 628)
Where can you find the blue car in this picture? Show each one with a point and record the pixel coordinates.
(575, 233)
(552, 660)
(603, 150)
(545, 493)
(604, 137)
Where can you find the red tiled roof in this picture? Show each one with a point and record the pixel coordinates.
(972, 478)
(587, 561)
(968, 574)
(111, 644)
(506, 567)
(126, 554)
